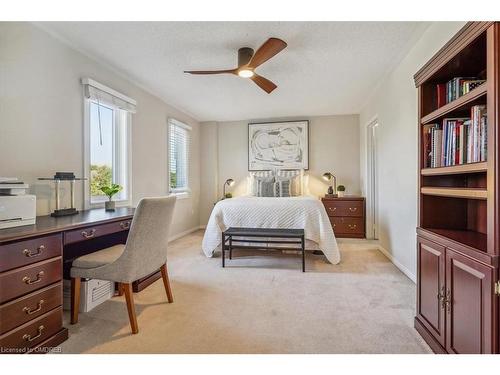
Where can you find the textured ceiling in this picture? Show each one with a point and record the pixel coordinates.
(327, 68)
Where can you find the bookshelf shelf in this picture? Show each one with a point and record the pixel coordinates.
(463, 102)
(453, 192)
(456, 169)
(476, 240)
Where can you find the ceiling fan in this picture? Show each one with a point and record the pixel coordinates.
(248, 61)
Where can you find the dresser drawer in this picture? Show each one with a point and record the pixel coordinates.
(348, 226)
(337, 208)
(33, 332)
(22, 253)
(21, 310)
(88, 233)
(24, 280)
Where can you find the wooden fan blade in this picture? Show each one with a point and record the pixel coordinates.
(271, 47)
(232, 71)
(263, 83)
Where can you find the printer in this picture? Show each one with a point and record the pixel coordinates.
(16, 207)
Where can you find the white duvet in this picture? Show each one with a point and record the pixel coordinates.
(305, 213)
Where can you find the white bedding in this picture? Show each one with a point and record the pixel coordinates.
(259, 212)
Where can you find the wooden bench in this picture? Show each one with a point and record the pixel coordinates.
(233, 237)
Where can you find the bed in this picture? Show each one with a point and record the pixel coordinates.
(300, 212)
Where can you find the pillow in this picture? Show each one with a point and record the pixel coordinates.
(295, 185)
(282, 188)
(265, 187)
(254, 180)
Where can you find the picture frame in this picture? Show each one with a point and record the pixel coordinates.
(278, 145)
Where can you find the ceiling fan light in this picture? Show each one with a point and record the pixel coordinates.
(245, 73)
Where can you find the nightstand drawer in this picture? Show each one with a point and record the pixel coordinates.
(343, 207)
(348, 226)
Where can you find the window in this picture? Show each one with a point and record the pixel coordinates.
(178, 156)
(107, 134)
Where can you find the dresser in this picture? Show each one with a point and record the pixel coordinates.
(34, 259)
(347, 215)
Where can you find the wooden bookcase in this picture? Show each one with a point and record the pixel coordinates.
(458, 233)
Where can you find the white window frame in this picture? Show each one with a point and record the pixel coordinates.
(117, 151)
(181, 193)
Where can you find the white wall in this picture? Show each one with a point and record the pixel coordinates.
(333, 146)
(394, 104)
(41, 120)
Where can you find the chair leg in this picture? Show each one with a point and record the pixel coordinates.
(75, 298)
(166, 283)
(129, 297)
(120, 289)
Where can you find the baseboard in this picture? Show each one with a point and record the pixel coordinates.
(182, 234)
(394, 261)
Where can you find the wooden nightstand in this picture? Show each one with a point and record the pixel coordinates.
(347, 215)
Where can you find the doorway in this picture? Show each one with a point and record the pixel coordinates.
(371, 181)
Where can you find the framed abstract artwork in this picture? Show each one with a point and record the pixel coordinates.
(278, 145)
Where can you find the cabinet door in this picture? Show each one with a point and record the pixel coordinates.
(430, 287)
(469, 306)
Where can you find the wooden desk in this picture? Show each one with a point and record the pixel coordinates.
(33, 261)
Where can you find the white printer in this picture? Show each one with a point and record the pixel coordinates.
(16, 207)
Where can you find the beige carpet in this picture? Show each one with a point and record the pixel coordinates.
(261, 305)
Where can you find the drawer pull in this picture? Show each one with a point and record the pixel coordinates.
(28, 280)
(334, 225)
(125, 224)
(30, 311)
(29, 338)
(38, 252)
(332, 208)
(88, 234)
(352, 226)
(353, 209)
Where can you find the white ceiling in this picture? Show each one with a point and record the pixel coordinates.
(328, 67)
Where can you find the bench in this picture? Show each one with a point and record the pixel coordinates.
(233, 237)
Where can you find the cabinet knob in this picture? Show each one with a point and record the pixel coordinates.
(353, 209)
(88, 234)
(125, 224)
(352, 226)
(27, 279)
(29, 338)
(31, 254)
(29, 310)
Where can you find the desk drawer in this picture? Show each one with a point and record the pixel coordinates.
(22, 253)
(24, 280)
(22, 310)
(84, 234)
(338, 208)
(348, 226)
(33, 332)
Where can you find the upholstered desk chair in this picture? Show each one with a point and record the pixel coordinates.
(144, 253)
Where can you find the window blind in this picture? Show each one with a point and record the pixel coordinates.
(107, 96)
(179, 139)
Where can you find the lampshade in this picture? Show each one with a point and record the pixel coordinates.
(229, 182)
(327, 176)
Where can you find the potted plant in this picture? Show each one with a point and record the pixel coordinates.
(228, 195)
(110, 190)
(341, 190)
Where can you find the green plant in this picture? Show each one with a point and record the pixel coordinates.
(100, 175)
(341, 188)
(110, 190)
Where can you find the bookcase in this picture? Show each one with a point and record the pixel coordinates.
(458, 234)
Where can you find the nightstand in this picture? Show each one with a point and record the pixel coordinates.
(347, 216)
